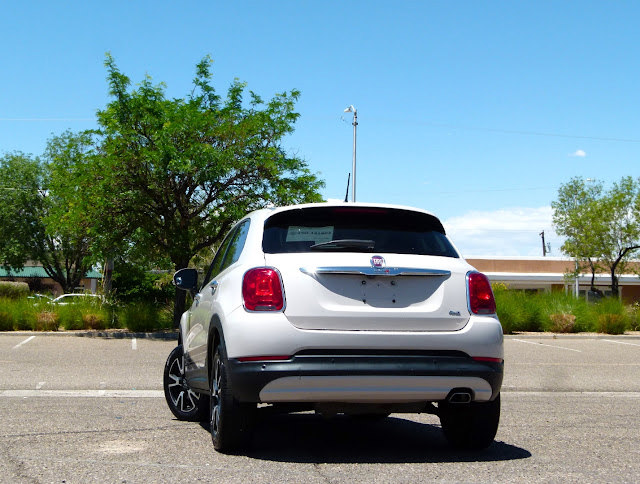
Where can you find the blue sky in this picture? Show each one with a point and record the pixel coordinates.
(476, 111)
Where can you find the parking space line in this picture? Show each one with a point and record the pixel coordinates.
(620, 342)
(134, 344)
(23, 342)
(83, 393)
(550, 346)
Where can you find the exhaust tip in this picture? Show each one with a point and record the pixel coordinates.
(460, 397)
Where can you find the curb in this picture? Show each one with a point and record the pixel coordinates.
(628, 335)
(164, 335)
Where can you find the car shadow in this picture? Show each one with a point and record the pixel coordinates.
(309, 438)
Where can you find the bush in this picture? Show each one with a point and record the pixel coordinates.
(517, 310)
(47, 321)
(611, 324)
(6, 321)
(559, 312)
(13, 290)
(145, 317)
(17, 314)
(133, 283)
(562, 323)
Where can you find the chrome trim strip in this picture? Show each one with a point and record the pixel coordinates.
(373, 271)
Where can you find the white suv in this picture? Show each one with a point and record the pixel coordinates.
(361, 309)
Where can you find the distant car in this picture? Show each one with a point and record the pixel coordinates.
(359, 309)
(65, 299)
(40, 298)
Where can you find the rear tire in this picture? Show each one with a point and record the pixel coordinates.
(231, 421)
(470, 426)
(183, 402)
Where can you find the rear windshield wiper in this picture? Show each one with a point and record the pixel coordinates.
(345, 244)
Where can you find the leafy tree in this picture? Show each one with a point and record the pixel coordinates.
(602, 228)
(174, 175)
(34, 202)
(135, 283)
(21, 208)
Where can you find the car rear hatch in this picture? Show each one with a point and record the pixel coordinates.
(367, 269)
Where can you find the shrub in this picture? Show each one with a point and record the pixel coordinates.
(6, 321)
(611, 316)
(13, 290)
(633, 312)
(133, 283)
(612, 324)
(517, 310)
(145, 317)
(562, 323)
(18, 314)
(47, 321)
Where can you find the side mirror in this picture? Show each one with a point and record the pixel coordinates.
(186, 279)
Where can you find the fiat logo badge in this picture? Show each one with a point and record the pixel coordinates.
(377, 261)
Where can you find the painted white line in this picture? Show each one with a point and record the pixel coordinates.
(102, 390)
(519, 394)
(134, 344)
(83, 393)
(550, 346)
(620, 342)
(40, 385)
(23, 343)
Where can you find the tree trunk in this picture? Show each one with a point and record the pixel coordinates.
(181, 296)
(614, 282)
(107, 284)
(178, 306)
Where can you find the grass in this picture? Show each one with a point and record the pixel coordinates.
(562, 313)
(25, 314)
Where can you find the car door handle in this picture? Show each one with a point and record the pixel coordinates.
(196, 299)
(214, 287)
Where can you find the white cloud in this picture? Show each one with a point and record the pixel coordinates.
(579, 153)
(505, 232)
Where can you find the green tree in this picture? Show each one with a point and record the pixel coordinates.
(21, 208)
(602, 228)
(174, 175)
(35, 199)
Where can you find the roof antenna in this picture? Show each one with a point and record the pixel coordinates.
(346, 197)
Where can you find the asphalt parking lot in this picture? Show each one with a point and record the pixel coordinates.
(78, 409)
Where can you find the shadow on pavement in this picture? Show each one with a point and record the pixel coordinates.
(309, 438)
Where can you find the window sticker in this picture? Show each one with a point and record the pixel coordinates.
(317, 235)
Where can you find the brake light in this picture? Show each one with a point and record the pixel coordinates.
(262, 290)
(481, 300)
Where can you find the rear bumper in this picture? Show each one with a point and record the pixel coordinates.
(397, 378)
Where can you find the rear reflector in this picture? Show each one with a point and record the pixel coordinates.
(262, 290)
(481, 299)
(488, 359)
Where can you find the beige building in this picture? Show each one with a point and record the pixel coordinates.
(549, 274)
(39, 281)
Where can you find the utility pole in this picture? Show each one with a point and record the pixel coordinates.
(544, 246)
(353, 110)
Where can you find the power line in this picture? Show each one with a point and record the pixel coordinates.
(46, 120)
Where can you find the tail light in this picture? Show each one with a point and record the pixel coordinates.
(481, 300)
(262, 290)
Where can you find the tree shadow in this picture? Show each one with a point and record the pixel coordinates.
(309, 438)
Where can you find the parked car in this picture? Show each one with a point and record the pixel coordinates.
(358, 309)
(74, 298)
(37, 298)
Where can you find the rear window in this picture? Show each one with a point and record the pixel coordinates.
(356, 229)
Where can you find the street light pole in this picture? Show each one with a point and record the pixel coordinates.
(353, 110)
